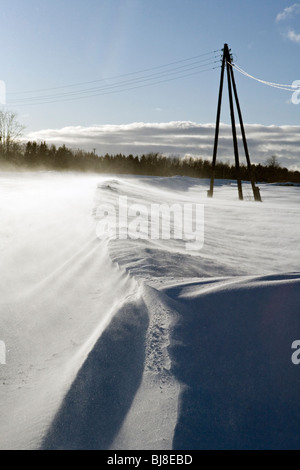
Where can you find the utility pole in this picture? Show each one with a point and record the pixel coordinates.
(211, 190)
(255, 189)
(235, 142)
(232, 90)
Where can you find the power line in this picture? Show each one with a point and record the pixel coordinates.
(125, 82)
(170, 74)
(113, 91)
(117, 76)
(291, 88)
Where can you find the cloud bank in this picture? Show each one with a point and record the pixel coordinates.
(179, 138)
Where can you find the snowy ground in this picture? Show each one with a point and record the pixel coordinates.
(143, 344)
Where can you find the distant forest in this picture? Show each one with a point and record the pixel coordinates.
(41, 156)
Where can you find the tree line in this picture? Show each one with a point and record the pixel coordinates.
(41, 156)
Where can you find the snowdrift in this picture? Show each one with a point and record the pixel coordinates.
(119, 343)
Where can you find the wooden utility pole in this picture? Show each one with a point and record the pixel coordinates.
(235, 142)
(232, 87)
(211, 190)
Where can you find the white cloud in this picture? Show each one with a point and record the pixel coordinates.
(288, 12)
(293, 36)
(179, 138)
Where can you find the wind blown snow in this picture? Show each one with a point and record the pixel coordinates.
(120, 343)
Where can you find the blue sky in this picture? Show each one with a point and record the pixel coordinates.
(108, 43)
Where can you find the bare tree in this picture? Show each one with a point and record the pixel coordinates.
(273, 162)
(10, 130)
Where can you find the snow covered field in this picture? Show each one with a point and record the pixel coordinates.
(110, 343)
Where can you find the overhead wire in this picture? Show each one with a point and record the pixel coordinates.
(290, 88)
(191, 67)
(124, 82)
(141, 78)
(119, 76)
(114, 91)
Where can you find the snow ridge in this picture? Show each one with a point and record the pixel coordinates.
(139, 344)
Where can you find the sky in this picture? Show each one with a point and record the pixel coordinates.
(134, 76)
